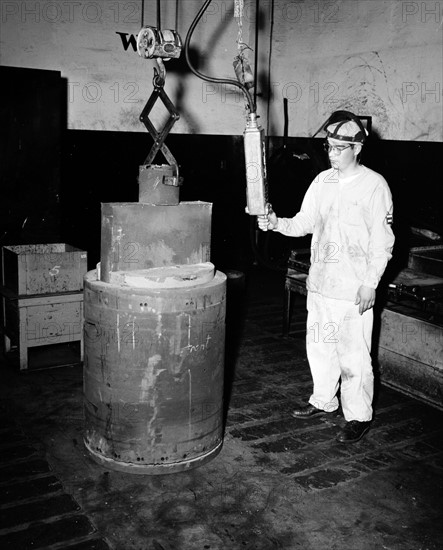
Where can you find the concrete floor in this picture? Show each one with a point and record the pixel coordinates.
(277, 483)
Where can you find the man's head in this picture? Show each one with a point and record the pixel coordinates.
(345, 136)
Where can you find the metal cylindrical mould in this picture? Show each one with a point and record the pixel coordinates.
(153, 374)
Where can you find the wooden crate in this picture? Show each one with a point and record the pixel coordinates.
(410, 354)
(428, 259)
(43, 268)
(40, 321)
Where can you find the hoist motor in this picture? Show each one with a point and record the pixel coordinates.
(156, 43)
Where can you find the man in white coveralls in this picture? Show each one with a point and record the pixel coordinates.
(348, 209)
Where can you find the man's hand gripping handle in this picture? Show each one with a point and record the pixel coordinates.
(268, 220)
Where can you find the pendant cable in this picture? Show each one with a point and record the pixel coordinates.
(232, 82)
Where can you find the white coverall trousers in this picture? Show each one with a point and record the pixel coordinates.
(338, 344)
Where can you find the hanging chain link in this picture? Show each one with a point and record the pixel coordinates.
(241, 64)
(239, 6)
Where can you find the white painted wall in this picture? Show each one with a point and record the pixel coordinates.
(375, 57)
(379, 58)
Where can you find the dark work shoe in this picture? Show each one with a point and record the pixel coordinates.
(353, 431)
(307, 411)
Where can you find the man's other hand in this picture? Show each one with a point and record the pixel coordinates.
(365, 298)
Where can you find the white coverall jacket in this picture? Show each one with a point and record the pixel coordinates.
(350, 221)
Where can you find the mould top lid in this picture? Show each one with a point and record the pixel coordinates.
(138, 205)
(176, 276)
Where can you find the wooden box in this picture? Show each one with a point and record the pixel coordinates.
(43, 268)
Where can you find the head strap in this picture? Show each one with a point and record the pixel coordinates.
(340, 118)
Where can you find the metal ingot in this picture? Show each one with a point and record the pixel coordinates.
(142, 236)
(158, 185)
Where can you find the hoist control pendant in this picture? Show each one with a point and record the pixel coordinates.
(153, 373)
(255, 162)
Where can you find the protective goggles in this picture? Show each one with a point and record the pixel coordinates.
(336, 148)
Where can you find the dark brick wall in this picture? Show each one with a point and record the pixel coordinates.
(32, 112)
(103, 167)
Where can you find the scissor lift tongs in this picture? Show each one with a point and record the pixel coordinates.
(160, 136)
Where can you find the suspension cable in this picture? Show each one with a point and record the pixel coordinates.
(257, 26)
(271, 32)
(159, 17)
(210, 78)
(176, 14)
